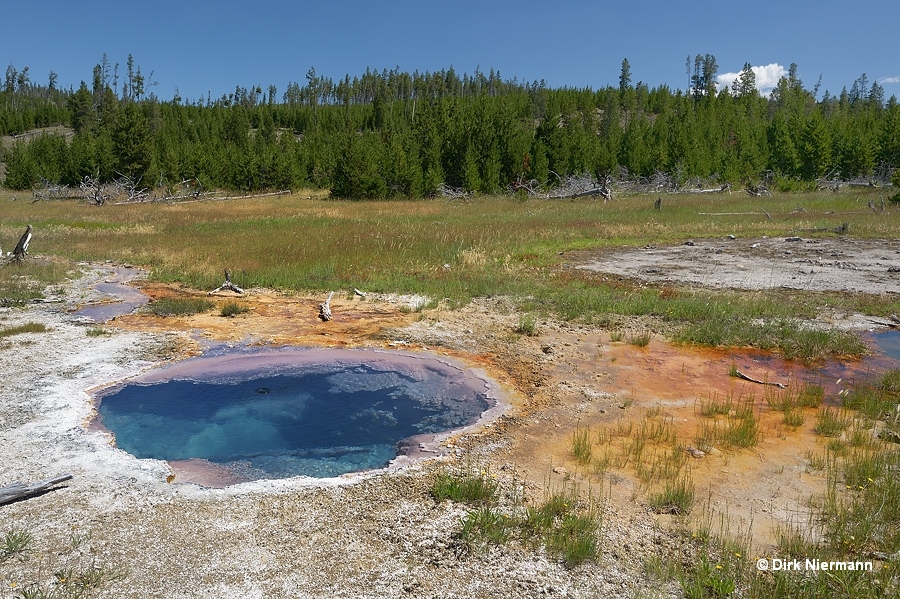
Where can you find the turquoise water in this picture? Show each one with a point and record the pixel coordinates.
(321, 420)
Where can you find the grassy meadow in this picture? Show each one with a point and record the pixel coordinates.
(457, 250)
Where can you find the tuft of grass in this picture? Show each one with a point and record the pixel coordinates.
(16, 543)
(464, 488)
(527, 325)
(485, 526)
(715, 407)
(230, 309)
(641, 339)
(676, 497)
(831, 423)
(616, 336)
(98, 332)
(793, 418)
(179, 306)
(28, 327)
(740, 427)
(581, 446)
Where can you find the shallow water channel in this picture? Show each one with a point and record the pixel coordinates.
(295, 412)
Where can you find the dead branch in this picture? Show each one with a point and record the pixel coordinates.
(741, 375)
(452, 193)
(758, 190)
(19, 490)
(325, 308)
(722, 188)
(227, 285)
(93, 190)
(130, 186)
(581, 186)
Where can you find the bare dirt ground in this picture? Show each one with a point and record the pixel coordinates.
(809, 264)
(379, 534)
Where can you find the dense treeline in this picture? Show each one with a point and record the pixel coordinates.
(399, 134)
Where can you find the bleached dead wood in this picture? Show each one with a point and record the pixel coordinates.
(358, 292)
(758, 190)
(19, 490)
(21, 249)
(325, 308)
(741, 375)
(452, 193)
(721, 189)
(227, 285)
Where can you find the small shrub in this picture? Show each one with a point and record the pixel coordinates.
(229, 309)
(179, 306)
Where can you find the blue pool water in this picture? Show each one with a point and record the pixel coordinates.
(889, 343)
(313, 419)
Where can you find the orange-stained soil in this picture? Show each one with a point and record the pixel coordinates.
(566, 378)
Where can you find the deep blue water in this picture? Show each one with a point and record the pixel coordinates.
(322, 421)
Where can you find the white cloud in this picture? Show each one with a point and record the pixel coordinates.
(889, 80)
(766, 77)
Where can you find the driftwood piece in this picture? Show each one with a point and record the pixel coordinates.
(227, 285)
(21, 249)
(325, 308)
(358, 292)
(741, 375)
(19, 490)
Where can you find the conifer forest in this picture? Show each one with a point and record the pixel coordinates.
(394, 134)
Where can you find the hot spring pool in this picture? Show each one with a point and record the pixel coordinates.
(279, 414)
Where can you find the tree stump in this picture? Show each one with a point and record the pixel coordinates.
(227, 285)
(21, 249)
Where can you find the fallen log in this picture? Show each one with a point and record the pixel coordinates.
(741, 375)
(227, 285)
(325, 308)
(19, 490)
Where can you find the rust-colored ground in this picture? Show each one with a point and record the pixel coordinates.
(568, 377)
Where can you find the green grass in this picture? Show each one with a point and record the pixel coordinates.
(493, 246)
(793, 418)
(527, 325)
(464, 488)
(676, 497)
(831, 422)
(98, 332)
(854, 519)
(28, 327)
(230, 309)
(641, 339)
(16, 543)
(564, 524)
(22, 282)
(179, 306)
(582, 448)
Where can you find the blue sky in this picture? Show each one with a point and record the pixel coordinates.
(211, 47)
